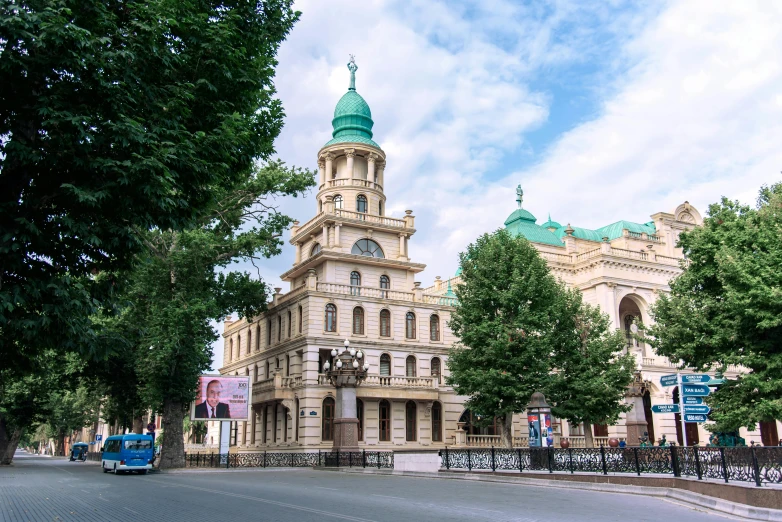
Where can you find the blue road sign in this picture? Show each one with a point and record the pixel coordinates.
(697, 409)
(669, 380)
(98, 437)
(694, 417)
(696, 378)
(665, 408)
(696, 390)
(693, 401)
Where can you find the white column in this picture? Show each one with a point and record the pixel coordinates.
(324, 242)
(298, 254)
(371, 175)
(381, 168)
(350, 153)
(402, 252)
(329, 157)
(337, 226)
(322, 173)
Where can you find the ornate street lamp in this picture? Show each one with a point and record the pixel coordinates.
(349, 371)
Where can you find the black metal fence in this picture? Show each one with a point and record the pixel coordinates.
(750, 464)
(264, 459)
(94, 456)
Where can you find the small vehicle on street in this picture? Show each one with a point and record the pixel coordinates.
(123, 453)
(79, 451)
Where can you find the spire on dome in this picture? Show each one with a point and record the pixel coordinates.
(352, 67)
(519, 195)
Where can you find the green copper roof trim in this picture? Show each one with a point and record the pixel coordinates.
(551, 224)
(520, 215)
(612, 231)
(352, 116)
(351, 138)
(522, 223)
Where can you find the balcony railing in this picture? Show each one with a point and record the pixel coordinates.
(351, 182)
(364, 291)
(440, 300)
(391, 381)
(370, 218)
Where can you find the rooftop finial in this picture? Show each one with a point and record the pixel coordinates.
(519, 195)
(352, 67)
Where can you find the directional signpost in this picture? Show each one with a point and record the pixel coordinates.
(693, 401)
(669, 380)
(694, 417)
(697, 378)
(699, 410)
(665, 408)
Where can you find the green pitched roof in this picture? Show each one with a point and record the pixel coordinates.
(522, 223)
(551, 224)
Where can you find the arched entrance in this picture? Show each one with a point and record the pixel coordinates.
(691, 428)
(630, 313)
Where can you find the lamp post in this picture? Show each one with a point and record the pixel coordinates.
(349, 371)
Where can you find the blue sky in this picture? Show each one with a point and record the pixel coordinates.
(601, 110)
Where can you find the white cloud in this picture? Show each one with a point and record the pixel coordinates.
(687, 92)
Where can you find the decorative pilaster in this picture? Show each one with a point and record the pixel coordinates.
(329, 158)
(337, 227)
(371, 173)
(322, 173)
(381, 168)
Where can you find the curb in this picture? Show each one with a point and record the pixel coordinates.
(704, 502)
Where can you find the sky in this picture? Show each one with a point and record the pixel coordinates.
(601, 111)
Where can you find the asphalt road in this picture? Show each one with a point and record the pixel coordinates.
(39, 488)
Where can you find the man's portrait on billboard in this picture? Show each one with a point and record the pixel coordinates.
(212, 408)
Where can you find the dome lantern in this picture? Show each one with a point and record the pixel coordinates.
(352, 121)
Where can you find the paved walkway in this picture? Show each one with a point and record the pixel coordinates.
(54, 489)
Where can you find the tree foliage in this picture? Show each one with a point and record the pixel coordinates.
(726, 308)
(592, 370)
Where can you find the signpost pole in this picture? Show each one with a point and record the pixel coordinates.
(681, 407)
(225, 436)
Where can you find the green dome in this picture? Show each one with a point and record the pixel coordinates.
(551, 224)
(352, 121)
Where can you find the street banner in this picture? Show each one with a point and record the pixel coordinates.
(221, 398)
(535, 440)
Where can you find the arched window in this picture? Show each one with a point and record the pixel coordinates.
(315, 249)
(437, 422)
(385, 284)
(268, 370)
(385, 323)
(258, 337)
(327, 428)
(238, 346)
(230, 349)
(301, 318)
(249, 340)
(385, 364)
(367, 247)
(321, 206)
(436, 368)
(410, 366)
(279, 328)
(434, 327)
(268, 332)
(361, 203)
(360, 416)
(255, 372)
(411, 413)
(331, 318)
(287, 365)
(290, 323)
(338, 202)
(355, 283)
(384, 420)
(358, 320)
(379, 208)
(410, 325)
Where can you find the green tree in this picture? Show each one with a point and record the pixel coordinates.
(117, 118)
(592, 371)
(505, 319)
(182, 283)
(726, 308)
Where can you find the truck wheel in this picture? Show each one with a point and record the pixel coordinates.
(102, 465)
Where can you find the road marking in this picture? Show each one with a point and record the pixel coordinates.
(388, 496)
(85, 490)
(265, 501)
(134, 512)
(103, 499)
(477, 509)
(65, 470)
(321, 487)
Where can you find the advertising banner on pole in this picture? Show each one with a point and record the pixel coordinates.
(535, 440)
(221, 398)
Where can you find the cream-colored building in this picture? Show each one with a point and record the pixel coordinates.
(352, 279)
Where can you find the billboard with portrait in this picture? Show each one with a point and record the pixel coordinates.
(221, 398)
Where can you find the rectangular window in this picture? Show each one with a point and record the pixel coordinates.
(385, 421)
(600, 430)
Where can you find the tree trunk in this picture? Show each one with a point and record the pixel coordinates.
(59, 449)
(138, 425)
(172, 454)
(9, 440)
(506, 431)
(589, 442)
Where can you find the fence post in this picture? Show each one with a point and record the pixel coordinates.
(493, 467)
(318, 458)
(698, 463)
(550, 458)
(378, 459)
(755, 466)
(350, 459)
(364, 458)
(521, 466)
(228, 461)
(447, 460)
(675, 462)
(211, 460)
(724, 465)
(603, 459)
(570, 459)
(637, 464)
(469, 461)
(264, 458)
